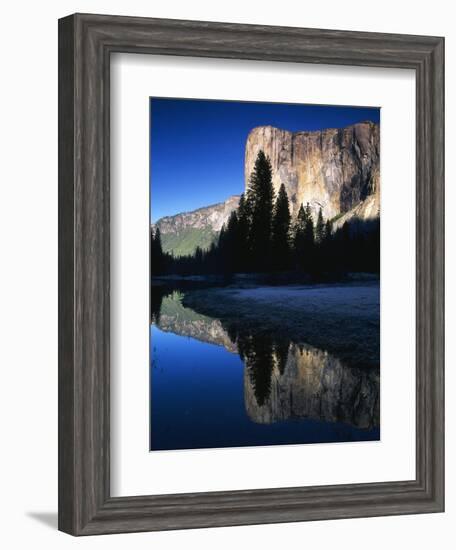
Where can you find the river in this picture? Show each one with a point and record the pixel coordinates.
(214, 384)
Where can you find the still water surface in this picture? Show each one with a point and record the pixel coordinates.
(209, 389)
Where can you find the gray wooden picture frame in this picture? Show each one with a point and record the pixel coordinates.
(85, 45)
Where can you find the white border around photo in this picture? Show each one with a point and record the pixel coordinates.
(135, 470)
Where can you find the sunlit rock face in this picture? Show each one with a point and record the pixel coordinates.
(368, 209)
(314, 385)
(335, 169)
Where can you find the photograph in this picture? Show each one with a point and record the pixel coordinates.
(264, 274)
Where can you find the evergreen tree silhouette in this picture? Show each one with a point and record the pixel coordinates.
(257, 353)
(320, 228)
(281, 347)
(229, 251)
(260, 236)
(309, 241)
(243, 231)
(157, 258)
(299, 240)
(281, 231)
(158, 243)
(326, 254)
(260, 202)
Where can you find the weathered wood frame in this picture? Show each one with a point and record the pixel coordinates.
(85, 45)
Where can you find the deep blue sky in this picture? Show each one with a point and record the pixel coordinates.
(197, 146)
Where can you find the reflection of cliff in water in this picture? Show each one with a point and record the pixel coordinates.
(282, 379)
(313, 384)
(174, 317)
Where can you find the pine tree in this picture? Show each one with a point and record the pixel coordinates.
(346, 247)
(152, 251)
(260, 202)
(309, 242)
(242, 244)
(220, 249)
(299, 237)
(304, 239)
(231, 239)
(198, 260)
(326, 248)
(280, 231)
(319, 258)
(157, 257)
(320, 228)
(158, 243)
(328, 230)
(309, 223)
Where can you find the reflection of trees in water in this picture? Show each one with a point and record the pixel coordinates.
(157, 293)
(156, 298)
(281, 354)
(257, 354)
(314, 384)
(283, 379)
(260, 353)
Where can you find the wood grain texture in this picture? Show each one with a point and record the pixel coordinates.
(85, 45)
(66, 276)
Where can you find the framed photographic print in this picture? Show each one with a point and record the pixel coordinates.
(251, 274)
(265, 306)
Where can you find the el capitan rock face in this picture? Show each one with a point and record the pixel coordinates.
(337, 169)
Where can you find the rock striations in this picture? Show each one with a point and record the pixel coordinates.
(337, 169)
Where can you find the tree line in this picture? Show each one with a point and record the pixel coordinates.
(260, 237)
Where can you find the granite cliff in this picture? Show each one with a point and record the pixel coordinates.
(335, 169)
